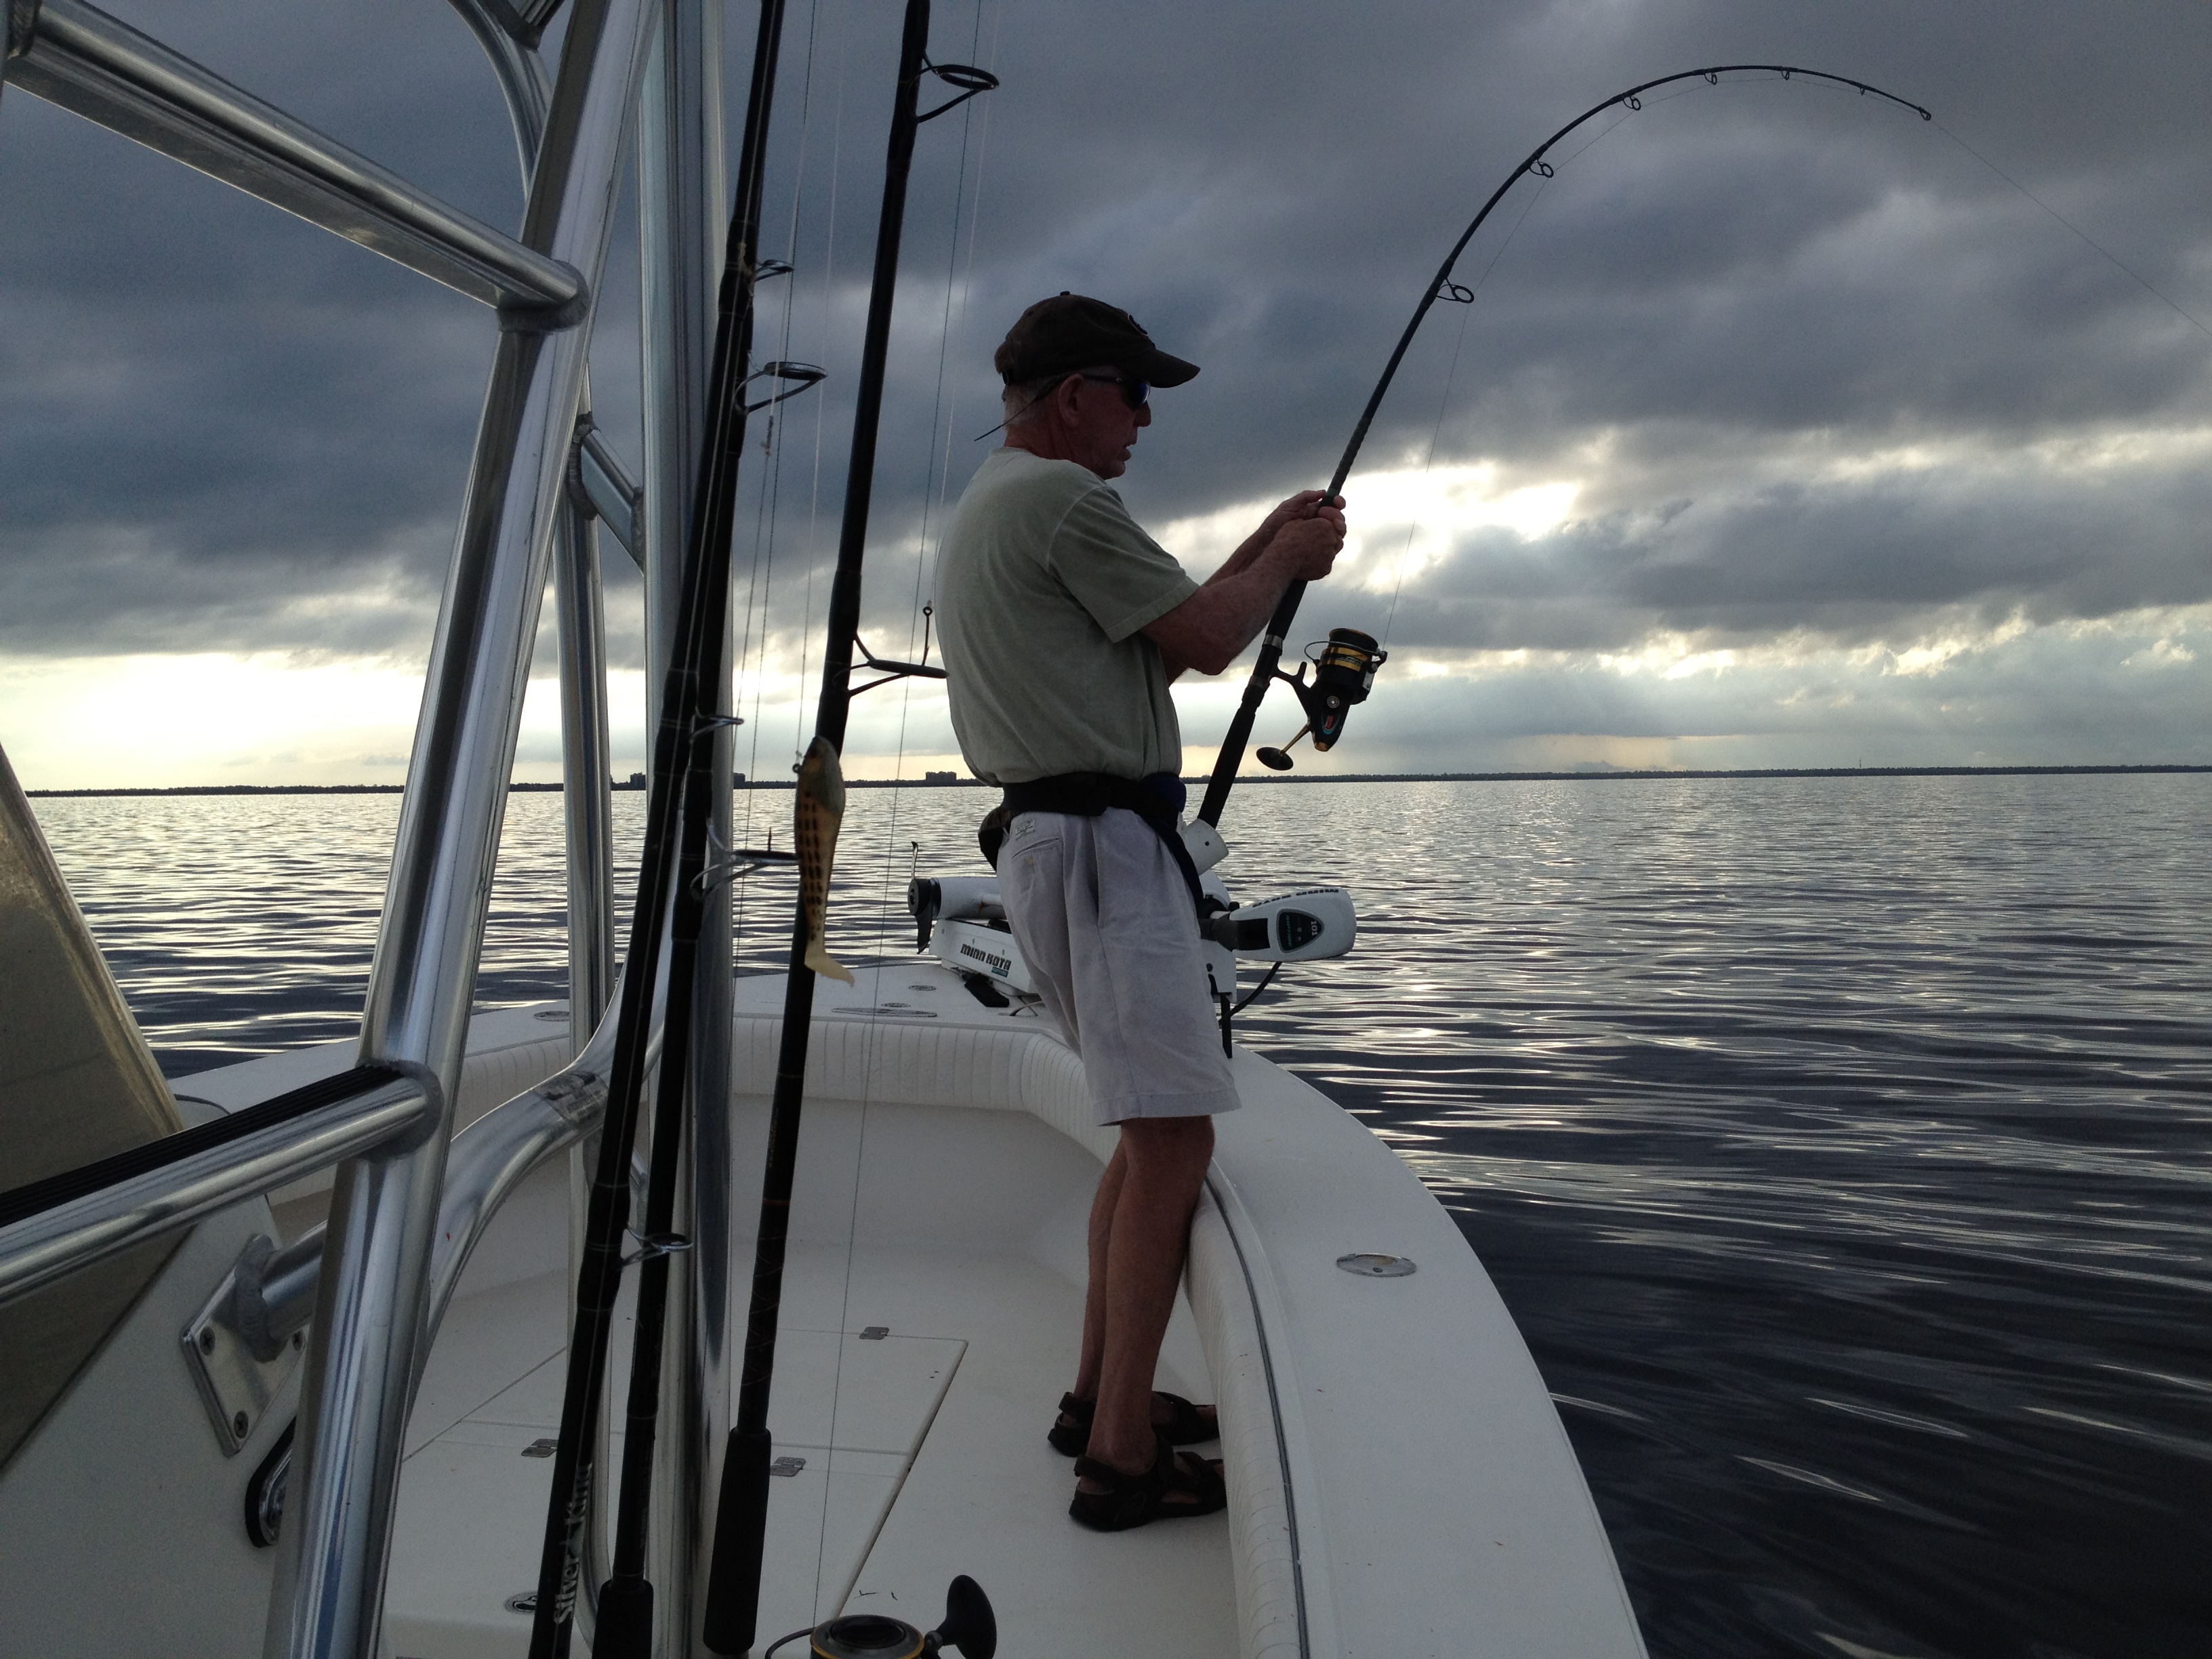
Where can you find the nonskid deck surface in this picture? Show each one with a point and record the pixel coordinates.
(923, 1448)
(924, 1456)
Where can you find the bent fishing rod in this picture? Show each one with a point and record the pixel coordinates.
(1347, 665)
(667, 908)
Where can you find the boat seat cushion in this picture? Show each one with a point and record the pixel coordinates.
(1020, 1068)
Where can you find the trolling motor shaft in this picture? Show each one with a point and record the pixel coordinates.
(1344, 673)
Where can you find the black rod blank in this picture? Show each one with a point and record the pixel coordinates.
(696, 660)
(741, 1529)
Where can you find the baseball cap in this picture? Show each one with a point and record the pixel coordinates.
(1071, 331)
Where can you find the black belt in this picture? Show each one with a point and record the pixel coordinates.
(1157, 800)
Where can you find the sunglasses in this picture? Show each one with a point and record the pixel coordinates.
(1133, 393)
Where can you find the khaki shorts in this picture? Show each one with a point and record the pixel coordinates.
(1104, 923)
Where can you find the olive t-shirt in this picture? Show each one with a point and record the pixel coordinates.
(1043, 583)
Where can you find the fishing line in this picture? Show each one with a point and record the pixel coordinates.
(666, 907)
(741, 1529)
(1451, 374)
(1428, 465)
(874, 1021)
(1603, 134)
(941, 413)
(944, 411)
(2186, 316)
(762, 588)
(940, 419)
(822, 409)
(1459, 345)
(959, 273)
(773, 491)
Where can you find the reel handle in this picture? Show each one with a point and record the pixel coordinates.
(1344, 673)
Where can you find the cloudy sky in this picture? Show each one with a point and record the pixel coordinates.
(1784, 429)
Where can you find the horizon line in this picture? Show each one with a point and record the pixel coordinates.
(1600, 772)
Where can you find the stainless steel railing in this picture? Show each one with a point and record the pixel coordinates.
(374, 1293)
(489, 1159)
(51, 1228)
(616, 501)
(407, 1210)
(78, 56)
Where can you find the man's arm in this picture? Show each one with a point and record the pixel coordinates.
(1298, 541)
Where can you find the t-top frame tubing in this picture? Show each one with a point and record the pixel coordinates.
(79, 57)
(371, 1301)
(89, 1214)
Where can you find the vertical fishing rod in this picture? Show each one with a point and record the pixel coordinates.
(624, 1628)
(696, 658)
(1441, 287)
(741, 1522)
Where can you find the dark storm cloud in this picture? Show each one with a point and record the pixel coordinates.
(1848, 561)
(225, 430)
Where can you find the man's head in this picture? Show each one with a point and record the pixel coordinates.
(1078, 374)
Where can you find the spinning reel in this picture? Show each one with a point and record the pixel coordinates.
(971, 1628)
(1344, 673)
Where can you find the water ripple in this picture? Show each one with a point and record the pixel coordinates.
(1838, 1144)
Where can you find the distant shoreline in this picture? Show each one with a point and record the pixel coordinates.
(1606, 776)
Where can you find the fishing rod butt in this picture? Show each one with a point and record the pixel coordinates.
(740, 1537)
(624, 1627)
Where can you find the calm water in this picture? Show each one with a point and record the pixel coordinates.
(1838, 1144)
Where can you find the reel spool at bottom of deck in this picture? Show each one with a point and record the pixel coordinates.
(969, 1629)
(1344, 673)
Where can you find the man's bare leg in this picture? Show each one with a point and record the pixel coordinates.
(1094, 1301)
(1146, 1234)
(1094, 1295)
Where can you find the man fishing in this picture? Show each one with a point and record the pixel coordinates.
(1063, 624)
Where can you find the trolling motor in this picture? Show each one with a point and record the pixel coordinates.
(969, 1627)
(1344, 673)
(933, 899)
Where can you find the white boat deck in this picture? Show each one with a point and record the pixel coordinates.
(1398, 1480)
(943, 1417)
(924, 1449)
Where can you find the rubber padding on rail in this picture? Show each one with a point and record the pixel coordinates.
(24, 1202)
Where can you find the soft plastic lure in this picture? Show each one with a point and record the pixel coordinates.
(818, 812)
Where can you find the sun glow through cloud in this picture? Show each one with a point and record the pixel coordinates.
(1400, 523)
(152, 721)
(1985, 693)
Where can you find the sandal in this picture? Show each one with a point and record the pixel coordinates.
(1187, 1424)
(1130, 1500)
